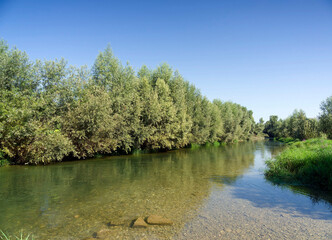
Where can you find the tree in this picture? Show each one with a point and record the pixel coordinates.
(183, 120)
(259, 127)
(325, 117)
(16, 72)
(272, 126)
(296, 127)
(90, 123)
(121, 84)
(163, 71)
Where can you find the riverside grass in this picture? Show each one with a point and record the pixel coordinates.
(307, 162)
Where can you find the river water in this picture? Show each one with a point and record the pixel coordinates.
(209, 193)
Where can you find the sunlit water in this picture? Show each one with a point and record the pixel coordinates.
(209, 193)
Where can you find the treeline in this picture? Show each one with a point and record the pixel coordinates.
(50, 111)
(298, 126)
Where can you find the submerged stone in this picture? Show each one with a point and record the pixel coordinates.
(140, 223)
(158, 220)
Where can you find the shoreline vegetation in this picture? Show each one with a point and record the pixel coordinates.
(50, 112)
(306, 162)
(308, 158)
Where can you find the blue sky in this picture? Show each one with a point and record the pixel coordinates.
(272, 56)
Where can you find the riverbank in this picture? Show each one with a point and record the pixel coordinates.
(307, 162)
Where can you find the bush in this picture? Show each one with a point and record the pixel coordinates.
(3, 160)
(50, 146)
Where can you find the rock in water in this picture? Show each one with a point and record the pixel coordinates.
(140, 223)
(157, 220)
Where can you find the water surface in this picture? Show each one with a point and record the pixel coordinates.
(215, 192)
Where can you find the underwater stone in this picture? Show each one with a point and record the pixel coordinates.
(140, 223)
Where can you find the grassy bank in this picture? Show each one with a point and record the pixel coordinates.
(307, 162)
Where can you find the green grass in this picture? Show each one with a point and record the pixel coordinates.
(4, 236)
(307, 163)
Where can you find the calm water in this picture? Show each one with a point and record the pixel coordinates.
(209, 193)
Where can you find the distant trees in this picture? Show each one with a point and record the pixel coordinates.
(298, 126)
(50, 111)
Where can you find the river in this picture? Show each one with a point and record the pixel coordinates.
(209, 193)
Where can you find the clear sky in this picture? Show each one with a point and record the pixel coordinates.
(272, 56)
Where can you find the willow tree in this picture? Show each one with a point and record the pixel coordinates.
(91, 124)
(272, 126)
(178, 92)
(166, 128)
(121, 84)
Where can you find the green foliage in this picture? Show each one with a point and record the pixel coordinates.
(3, 160)
(49, 146)
(90, 124)
(306, 162)
(325, 118)
(238, 122)
(16, 72)
(273, 126)
(259, 127)
(50, 111)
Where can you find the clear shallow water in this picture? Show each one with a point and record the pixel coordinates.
(208, 192)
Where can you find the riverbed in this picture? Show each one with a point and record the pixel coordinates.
(209, 193)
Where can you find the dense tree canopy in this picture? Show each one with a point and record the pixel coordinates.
(50, 111)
